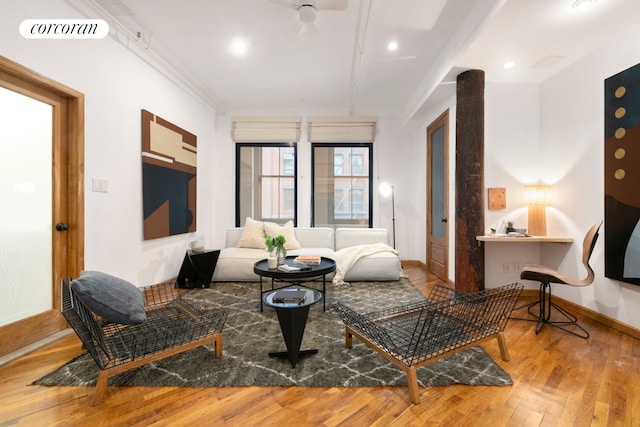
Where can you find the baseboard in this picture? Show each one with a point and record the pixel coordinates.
(419, 264)
(412, 263)
(10, 357)
(593, 315)
(572, 307)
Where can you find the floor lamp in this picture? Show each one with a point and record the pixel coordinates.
(387, 190)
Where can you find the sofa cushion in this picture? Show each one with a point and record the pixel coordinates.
(315, 237)
(325, 252)
(243, 253)
(347, 237)
(236, 264)
(383, 266)
(232, 237)
(110, 297)
(290, 242)
(252, 235)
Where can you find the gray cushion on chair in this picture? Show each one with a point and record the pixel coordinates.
(110, 297)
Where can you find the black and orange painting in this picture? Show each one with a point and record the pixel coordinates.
(622, 176)
(169, 168)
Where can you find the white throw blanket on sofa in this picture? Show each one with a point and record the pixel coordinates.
(347, 257)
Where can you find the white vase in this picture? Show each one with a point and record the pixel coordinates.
(272, 262)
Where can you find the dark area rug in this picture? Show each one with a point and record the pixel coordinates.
(249, 335)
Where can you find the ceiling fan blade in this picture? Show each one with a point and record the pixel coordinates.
(331, 4)
(289, 4)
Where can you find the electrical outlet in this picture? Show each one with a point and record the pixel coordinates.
(507, 268)
(518, 266)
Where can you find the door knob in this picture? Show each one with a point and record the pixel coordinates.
(61, 226)
(443, 220)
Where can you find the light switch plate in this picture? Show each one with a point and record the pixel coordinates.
(99, 185)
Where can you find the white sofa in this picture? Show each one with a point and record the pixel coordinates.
(236, 264)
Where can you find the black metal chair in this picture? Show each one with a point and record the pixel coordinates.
(546, 276)
(172, 326)
(414, 335)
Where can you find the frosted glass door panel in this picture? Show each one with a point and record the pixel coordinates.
(26, 212)
(437, 183)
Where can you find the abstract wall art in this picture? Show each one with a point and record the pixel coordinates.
(169, 176)
(622, 176)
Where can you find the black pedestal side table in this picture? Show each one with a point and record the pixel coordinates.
(294, 278)
(293, 319)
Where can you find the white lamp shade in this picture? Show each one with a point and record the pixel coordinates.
(538, 194)
(385, 189)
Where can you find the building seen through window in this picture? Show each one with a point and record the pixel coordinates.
(266, 182)
(342, 185)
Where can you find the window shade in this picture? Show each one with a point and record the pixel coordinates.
(265, 129)
(341, 129)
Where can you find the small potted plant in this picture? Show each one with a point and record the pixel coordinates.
(275, 246)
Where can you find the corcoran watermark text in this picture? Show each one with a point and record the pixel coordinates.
(64, 28)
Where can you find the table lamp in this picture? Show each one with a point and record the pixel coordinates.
(538, 197)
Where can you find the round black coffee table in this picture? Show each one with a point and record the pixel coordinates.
(293, 319)
(296, 278)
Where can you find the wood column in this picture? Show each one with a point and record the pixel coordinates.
(469, 217)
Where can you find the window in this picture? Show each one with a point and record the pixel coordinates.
(342, 184)
(357, 167)
(289, 163)
(266, 182)
(338, 162)
(289, 199)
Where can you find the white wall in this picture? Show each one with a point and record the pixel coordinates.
(398, 157)
(553, 132)
(512, 160)
(573, 156)
(512, 155)
(117, 84)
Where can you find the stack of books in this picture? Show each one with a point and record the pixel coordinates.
(292, 296)
(308, 259)
(292, 268)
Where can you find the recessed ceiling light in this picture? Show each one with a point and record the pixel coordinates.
(239, 46)
(509, 64)
(583, 4)
(392, 45)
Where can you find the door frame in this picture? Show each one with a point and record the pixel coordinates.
(68, 195)
(441, 121)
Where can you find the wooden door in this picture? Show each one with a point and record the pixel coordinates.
(437, 200)
(57, 250)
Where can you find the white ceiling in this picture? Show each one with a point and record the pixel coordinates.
(345, 65)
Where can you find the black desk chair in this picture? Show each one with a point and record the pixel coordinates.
(546, 276)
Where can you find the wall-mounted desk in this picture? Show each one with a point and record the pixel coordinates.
(530, 239)
(505, 256)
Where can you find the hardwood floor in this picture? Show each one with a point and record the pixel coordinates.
(559, 380)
